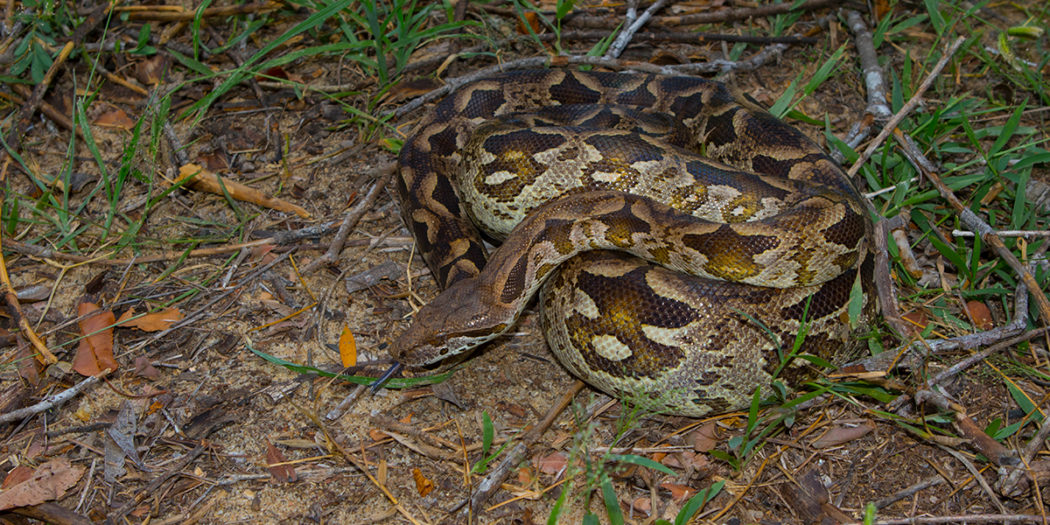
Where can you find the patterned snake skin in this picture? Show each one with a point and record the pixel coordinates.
(740, 232)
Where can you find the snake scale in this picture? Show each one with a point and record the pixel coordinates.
(679, 235)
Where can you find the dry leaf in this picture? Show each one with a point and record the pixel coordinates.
(143, 368)
(916, 321)
(423, 484)
(704, 439)
(150, 71)
(151, 322)
(525, 476)
(679, 493)
(49, 481)
(981, 315)
(115, 119)
(204, 180)
(281, 472)
(642, 505)
(95, 352)
(16, 476)
(843, 434)
(551, 464)
(533, 21)
(347, 348)
(28, 367)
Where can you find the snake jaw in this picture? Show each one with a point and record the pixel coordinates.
(456, 321)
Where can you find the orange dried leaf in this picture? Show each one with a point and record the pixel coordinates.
(347, 348)
(916, 321)
(95, 352)
(679, 493)
(533, 22)
(153, 322)
(981, 315)
(642, 505)
(423, 484)
(115, 119)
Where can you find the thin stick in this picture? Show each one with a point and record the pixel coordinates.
(51, 401)
(351, 220)
(15, 308)
(625, 36)
(906, 109)
(976, 224)
(727, 15)
(1006, 233)
(495, 479)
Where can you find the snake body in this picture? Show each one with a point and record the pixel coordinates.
(740, 233)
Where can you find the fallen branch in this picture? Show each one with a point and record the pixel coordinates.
(632, 26)
(869, 63)
(515, 455)
(52, 401)
(975, 223)
(906, 109)
(351, 220)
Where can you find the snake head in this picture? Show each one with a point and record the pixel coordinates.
(459, 319)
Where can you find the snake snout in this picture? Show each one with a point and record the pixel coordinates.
(458, 320)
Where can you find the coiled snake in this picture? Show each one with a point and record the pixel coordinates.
(740, 232)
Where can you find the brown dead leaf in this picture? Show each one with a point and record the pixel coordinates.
(704, 438)
(206, 181)
(916, 321)
(95, 352)
(843, 434)
(151, 322)
(412, 88)
(642, 505)
(525, 476)
(150, 71)
(116, 118)
(981, 315)
(143, 368)
(423, 484)
(16, 476)
(28, 367)
(347, 348)
(532, 20)
(552, 463)
(275, 463)
(49, 481)
(679, 493)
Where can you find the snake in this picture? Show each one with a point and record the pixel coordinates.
(688, 249)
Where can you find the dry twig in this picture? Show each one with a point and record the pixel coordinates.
(906, 109)
(515, 455)
(52, 401)
(351, 220)
(632, 26)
